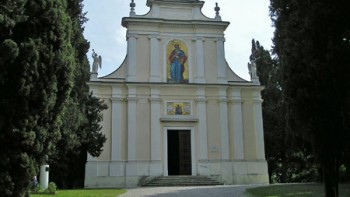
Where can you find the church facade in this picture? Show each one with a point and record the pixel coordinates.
(175, 106)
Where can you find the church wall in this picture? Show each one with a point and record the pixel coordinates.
(143, 54)
(124, 131)
(106, 128)
(213, 124)
(231, 117)
(210, 62)
(143, 117)
(248, 125)
(187, 34)
(103, 93)
(192, 59)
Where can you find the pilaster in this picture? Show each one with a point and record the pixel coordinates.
(200, 73)
(202, 123)
(131, 58)
(237, 121)
(221, 61)
(154, 59)
(259, 129)
(155, 165)
(116, 141)
(225, 148)
(132, 101)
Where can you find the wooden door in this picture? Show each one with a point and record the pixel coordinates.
(179, 152)
(185, 152)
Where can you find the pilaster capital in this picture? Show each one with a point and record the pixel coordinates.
(198, 39)
(155, 99)
(131, 35)
(255, 101)
(132, 99)
(153, 36)
(220, 40)
(117, 99)
(222, 100)
(258, 101)
(236, 101)
(201, 100)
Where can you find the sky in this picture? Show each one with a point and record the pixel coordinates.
(249, 19)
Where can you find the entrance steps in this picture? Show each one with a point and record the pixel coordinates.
(165, 181)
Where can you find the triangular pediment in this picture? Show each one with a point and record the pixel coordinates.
(176, 9)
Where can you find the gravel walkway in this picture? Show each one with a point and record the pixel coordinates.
(200, 191)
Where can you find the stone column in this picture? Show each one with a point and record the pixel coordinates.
(259, 129)
(202, 124)
(131, 58)
(237, 121)
(200, 67)
(155, 166)
(225, 146)
(221, 61)
(154, 59)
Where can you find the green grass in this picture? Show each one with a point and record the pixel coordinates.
(85, 193)
(294, 190)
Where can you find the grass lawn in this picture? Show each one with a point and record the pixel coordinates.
(294, 190)
(85, 193)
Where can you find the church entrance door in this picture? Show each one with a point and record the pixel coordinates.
(179, 152)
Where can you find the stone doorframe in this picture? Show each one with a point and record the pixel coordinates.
(193, 149)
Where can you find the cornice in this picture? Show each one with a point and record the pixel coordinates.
(159, 21)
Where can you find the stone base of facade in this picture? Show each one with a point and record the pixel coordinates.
(112, 174)
(235, 172)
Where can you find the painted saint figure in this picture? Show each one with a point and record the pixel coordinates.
(178, 110)
(177, 60)
(97, 61)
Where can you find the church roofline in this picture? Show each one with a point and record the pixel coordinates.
(121, 81)
(149, 2)
(127, 20)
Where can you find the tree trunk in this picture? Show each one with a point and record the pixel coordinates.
(331, 173)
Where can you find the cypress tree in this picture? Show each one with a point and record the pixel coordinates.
(36, 64)
(311, 42)
(80, 127)
(289, 156)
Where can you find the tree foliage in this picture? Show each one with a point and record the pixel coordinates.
(36, 61)
(311, 42)
(43, 72)
(289, 157)
(80, 127)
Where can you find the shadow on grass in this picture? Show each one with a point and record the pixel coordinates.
(84, 193)
(294, 190)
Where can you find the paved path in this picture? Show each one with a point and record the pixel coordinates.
(200, 191)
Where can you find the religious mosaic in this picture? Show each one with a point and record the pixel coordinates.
(178, 108)
(177, 66)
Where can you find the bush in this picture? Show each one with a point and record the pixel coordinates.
(51, 189)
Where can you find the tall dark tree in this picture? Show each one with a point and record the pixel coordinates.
(268, 73)
(311, 43)
(36, 64)
(289, 157)
(80, 127)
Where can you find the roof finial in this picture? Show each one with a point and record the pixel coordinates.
(217, 9)
(132, 8)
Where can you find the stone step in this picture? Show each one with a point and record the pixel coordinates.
(180, 181)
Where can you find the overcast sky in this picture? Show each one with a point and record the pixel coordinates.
(248, 19)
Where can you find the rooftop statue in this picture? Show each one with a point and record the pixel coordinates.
(97, 61)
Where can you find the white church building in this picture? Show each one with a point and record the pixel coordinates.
(175, 107)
